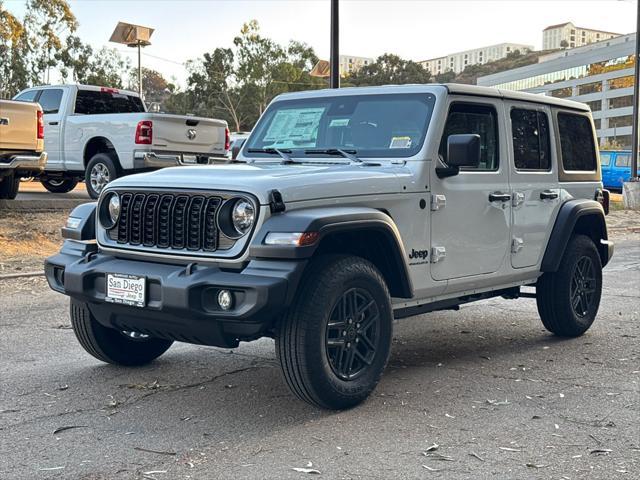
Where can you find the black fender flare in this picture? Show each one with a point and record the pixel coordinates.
(330, 220)
(569, 214)
(86, 227)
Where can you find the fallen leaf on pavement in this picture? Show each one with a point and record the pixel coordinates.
(68, 427)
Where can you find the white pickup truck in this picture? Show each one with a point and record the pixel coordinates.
(97, 134)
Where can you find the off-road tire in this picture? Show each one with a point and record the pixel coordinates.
(59, 185)
(302, 336)
(554, 289)
(100, 161)
(110, 345)
(9, 186)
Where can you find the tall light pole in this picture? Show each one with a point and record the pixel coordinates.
(335, 44)
(636, 86)
(133, 36)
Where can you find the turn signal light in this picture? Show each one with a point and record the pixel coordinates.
(298, 239)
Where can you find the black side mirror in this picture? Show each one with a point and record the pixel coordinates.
(462, 151)
(235, 149)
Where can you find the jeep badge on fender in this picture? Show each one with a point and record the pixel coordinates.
(326, 267)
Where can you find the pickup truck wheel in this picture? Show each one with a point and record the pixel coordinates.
(334, 342)
(9, 186)
(568, 299)
(113, 346)
(101, 170)
(59, 185)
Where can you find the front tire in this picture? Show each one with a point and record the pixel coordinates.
(568, 299)
(59, 185)
(101, 170)
(334, 342)
(113, 346)
(9, 187)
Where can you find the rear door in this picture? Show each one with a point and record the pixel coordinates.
(470, 235)
(51, 101)
(533, 177)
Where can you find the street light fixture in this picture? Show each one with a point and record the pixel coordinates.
(133, 36)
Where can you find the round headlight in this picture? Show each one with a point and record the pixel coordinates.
(243, 216)
(114, 208)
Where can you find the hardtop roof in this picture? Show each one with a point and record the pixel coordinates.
(437, 88)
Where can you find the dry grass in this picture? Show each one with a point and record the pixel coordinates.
(26, 239)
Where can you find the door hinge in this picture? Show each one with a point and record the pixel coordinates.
(517, 244)
(518, 199)
(437, 254)
(438, 202)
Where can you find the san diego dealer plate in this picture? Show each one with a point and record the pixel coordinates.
(126, 289)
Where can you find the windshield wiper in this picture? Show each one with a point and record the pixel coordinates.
(284, 153)
(350, 154)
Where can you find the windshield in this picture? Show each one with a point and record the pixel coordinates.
(391, 125)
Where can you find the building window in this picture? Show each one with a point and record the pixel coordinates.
(573, 32)
(621, 102)
(589, 88)
(620, 141)
(531, 144)
(478, 119)
(595, 105)
(562, 92)
(619, 122)
(597, 123)
(576, 142)
(621, 82)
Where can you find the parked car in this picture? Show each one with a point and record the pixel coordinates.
(237, 138)
(98, 134)
(346, 209)
(21, 144)
(616, 168)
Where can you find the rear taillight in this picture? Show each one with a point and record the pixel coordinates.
(40, 125)
(602, 197)
(227, 139)
(144, 132)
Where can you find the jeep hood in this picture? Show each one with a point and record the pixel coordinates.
(295, 182)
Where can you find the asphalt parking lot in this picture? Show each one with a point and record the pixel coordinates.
(498, 395)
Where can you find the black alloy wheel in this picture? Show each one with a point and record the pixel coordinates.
(583, 287)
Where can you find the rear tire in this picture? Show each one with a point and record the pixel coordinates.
(59, 185)
(9, 186)
(568, 299)
(113, 346)
(101, 170)
(334, 342)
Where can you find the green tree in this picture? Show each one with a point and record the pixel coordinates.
(47, 23)
(390, 69)
(14, 74)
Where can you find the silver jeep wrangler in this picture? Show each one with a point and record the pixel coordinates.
(346, 209)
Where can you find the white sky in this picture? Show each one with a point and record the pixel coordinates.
(413, 29)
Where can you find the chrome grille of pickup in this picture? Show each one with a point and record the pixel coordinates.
(168, 221)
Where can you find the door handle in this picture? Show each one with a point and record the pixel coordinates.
(548, 195)
(53, 123)
(499, 197)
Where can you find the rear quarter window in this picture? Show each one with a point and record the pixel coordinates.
(576, 142)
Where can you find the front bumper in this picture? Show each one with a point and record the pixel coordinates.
(33, 163)
(181, 300)
(149, 159)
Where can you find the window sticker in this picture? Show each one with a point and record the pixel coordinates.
(400, 142)
(294, 126)
(339, 122)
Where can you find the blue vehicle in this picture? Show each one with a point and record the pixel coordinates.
(616, 168)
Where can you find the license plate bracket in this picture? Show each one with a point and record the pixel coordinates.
(126, 289)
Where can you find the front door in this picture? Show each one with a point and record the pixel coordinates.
(471, 217)
(534, 187)
(51, 100)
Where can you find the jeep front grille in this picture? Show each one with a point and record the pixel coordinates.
(168, 221)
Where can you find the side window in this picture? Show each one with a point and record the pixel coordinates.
(531, 144)
(623, 160)
(605, 159)
(475, 119)
(29, 96)
(50, 100)
(576, 142)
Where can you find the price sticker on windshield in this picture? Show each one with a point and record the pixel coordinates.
(400, 142)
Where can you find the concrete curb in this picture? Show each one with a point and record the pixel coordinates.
(41, 205)
(10, 276)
